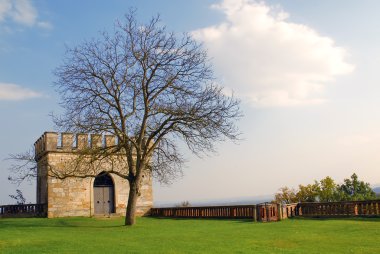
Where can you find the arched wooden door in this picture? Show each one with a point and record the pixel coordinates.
(104, 194)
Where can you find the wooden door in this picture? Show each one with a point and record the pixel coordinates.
(103, 200)
(108, 200)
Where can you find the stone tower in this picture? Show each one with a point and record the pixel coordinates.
(73, 196)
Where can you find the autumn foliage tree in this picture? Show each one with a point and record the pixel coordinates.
(286, 195)
(308, 193)
(151, 89)
(326, 190)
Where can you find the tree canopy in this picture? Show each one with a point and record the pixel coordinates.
(354, 189)
(326, 190)
(151, 89)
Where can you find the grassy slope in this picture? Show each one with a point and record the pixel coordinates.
(87, 235)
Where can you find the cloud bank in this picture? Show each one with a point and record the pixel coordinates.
(269, 60)
(21, 12)
(12, 92)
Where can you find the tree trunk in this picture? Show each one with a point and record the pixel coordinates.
(132, 200)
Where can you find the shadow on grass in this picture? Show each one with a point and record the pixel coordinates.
(76, 222)
(370, 219)
(96, 223)
(202, 219)
(351, 218)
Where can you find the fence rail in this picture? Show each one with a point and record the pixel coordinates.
(240, 212)
(18, 211)
(260, 212)
(335, 209)
(274, 212)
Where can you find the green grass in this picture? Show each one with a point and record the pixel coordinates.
(89, 235)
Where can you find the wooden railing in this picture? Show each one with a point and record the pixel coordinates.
(241, 212)
(273, 212)
(29, 210)
(261, 212)
(332, 209)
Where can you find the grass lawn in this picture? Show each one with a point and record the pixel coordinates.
(150, 235)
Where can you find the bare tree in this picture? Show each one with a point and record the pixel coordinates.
(24, 167)
(150, 88)
(18, 197)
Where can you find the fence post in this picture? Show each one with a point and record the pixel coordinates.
(279, 212)
(254, 214)
(258, 213)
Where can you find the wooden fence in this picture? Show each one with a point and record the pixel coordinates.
(337, 209)
(19, 211)
(238, 212)
(261, 212)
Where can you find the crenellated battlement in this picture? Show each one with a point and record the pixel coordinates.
(70, 142)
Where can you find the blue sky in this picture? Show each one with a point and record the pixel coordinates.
(306, 72)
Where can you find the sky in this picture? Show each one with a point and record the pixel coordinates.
(306, 73)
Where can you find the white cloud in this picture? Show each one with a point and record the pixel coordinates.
(24, 12)
(12, 92)
(21, 12)
(5, 7)
(45, 25)
(269, 60)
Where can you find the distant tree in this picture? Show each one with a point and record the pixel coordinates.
(184, 204)
(353, 189)
(150, 88)
(18, 197)
(327, 191)
(285, 195)
(308, 193)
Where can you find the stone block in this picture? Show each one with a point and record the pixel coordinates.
(96, 140)
(82, 141)
(67, 141)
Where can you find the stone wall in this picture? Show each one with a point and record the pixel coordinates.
(75, 196)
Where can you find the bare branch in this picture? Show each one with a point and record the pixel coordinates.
(152, 89)
(23, 167)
